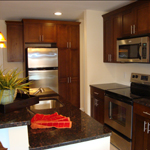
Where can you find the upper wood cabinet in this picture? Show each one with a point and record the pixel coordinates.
(39, 32)
(68, 36)
(135, 20)
(112, 31)
(14, 41)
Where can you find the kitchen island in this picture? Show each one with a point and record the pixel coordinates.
(85, 133)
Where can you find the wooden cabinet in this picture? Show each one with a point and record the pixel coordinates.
(112, 31)
(39, 32)
(97, 104)
(131, 20)
(68, 61)
(14, 41)
(141, 127)
(135, 20)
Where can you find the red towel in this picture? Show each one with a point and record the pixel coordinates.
(48, 121)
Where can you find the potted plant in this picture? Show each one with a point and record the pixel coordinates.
(10, 84)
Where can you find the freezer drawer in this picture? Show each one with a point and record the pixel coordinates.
(44, 78)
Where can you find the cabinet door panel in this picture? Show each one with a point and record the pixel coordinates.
(138, 134)
(107, 40)
(14, 43)
(74, 37)
(49, 32)
(74, 90)
(63, 88)
(32, 32)
(128, 21)
(142, 18)
(62, 36)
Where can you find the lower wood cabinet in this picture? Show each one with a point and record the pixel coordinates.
(141, 127)
(97, 104)
(14, 41)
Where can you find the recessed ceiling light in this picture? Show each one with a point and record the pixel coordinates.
(57, 13)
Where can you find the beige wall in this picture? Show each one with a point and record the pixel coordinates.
(8, 65)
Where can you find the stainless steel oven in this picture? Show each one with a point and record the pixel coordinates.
(118, 109)
(118, 115)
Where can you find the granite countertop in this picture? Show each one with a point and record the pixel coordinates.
(143, 101)
(108, 86)
(84, 127)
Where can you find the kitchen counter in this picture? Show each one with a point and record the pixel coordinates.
(108, 86)
(84, 128)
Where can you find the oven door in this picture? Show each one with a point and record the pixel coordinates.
(118, 115)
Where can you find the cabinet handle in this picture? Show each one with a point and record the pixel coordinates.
(144, 112)
(96, 102)
(42, 37)
(70, 79)
(110, 57)
(70, 44)
(145, 125)
(148, 128)
(67, 44)
(131, 29)
(96, 93)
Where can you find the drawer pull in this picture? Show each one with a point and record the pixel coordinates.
(96, 93)
(144, 112)
(96, 102)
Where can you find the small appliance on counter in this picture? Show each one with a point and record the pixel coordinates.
(118, 109)
(42, 66)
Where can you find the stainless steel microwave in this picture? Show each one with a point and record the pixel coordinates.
(133, 50)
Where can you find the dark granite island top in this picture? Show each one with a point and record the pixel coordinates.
(84, 128)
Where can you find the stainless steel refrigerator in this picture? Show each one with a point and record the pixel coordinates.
(42, 67)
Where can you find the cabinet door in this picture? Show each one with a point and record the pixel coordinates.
(108, 49)
(128, 22)
(62, 36)
(14, 42)
(32, 32)
(143, 18)
(48, 33)
(74, 76)
(138, 133)
(74, 37)
(63, 72)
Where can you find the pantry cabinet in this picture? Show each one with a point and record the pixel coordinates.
(68, 61)
(141, 127)
(14, 41)
(39, 32)
(97, 104)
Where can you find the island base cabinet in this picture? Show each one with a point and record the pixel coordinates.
(15, 138)
(97, 144)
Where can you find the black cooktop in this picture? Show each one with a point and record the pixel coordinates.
(123, 94)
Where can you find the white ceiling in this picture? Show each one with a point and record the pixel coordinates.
(72, 10)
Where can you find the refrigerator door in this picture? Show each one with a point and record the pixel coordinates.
(42, 57)
(44, 78)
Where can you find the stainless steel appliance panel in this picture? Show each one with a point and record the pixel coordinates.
(44, 78)
(133, 50)
(42, 57)
(118, 115)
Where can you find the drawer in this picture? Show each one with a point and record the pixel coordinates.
(98, 93)
(141, 110)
